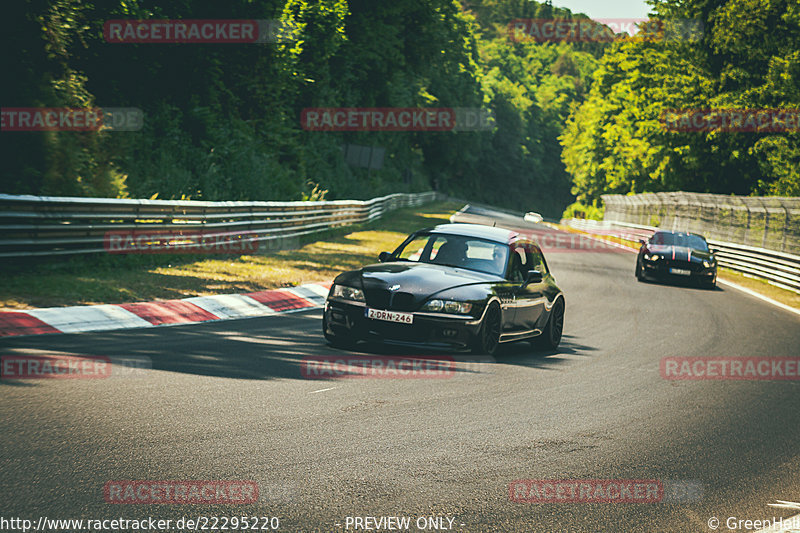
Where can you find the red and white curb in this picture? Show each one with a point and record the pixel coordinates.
(77, 319)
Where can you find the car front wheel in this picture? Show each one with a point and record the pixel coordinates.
(711, 284)
(488, 338)
(639, 271)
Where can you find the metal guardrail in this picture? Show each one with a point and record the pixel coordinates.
(44, 225)
(766, 222)
(778, 268)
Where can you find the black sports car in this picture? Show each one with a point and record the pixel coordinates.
(461, 286)
(677, 256)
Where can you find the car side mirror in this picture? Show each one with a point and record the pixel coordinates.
(533, 276)
(385, 257)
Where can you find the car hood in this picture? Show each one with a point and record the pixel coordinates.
(679, 253)
(419, 279)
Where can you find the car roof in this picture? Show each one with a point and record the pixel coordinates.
(661, 231)
(474, 230)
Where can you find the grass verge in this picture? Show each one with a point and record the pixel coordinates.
(792, 299)
(110, 279)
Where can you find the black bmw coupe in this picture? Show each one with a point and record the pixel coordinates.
(454, 286)
(677, 256)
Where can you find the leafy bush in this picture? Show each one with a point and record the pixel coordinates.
(583, 211)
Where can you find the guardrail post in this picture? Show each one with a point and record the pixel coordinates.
(747, 224)
(785, 227)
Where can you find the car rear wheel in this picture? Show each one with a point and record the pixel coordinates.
(336, 339)
(551, 336)
(488, 338)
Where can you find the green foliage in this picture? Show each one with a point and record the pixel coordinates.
(531, 87)
(583, 211)
(221, 121)
(315, 194)
(748, 57)
(38, 69)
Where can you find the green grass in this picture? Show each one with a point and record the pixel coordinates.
(762, 287)
(114, 279)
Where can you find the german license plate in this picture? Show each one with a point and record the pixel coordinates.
(390, 316)
(680, 271)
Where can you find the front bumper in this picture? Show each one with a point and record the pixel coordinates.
(446, 331)
(662, 270)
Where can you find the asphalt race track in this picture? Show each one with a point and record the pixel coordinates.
(227, 401)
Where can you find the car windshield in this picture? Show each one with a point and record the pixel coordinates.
(456, 250)
(685, 240)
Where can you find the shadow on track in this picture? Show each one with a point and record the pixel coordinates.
(260, 349)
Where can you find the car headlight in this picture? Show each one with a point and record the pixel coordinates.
(348, 293)
(653, 257)
(448, 306)
(707, 263)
